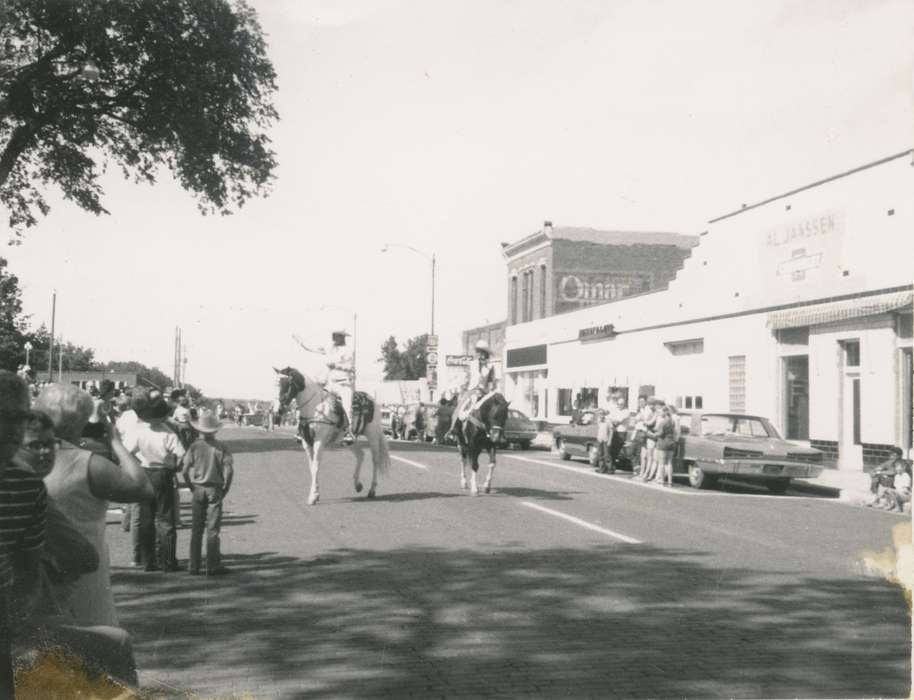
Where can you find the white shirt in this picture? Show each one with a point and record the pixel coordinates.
(155, 445)
(125, 424)
(903, 483)
(340, 361)
(181, 415)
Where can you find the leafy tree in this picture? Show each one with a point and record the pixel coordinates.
(406, 363)
(184, 84)
(75, 357)
(12, 322)
(146, 376)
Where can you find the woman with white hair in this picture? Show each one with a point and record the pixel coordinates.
(81, 484)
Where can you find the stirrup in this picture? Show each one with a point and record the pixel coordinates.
(348, 438)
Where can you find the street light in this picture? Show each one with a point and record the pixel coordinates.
(431, 258)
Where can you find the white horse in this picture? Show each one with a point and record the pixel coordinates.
(319, 425)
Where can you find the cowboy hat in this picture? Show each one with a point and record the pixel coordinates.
(482, 345)
(207, 422)
(156, 409)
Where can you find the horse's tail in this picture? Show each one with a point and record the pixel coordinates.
(383, 454)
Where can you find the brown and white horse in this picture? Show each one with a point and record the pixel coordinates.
(319, 425)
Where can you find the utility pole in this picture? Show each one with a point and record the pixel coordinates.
(51, 346)
(183, 366)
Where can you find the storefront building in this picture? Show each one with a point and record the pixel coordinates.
(562, 269)
(797, 308)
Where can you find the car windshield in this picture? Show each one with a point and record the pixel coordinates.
(745, 426)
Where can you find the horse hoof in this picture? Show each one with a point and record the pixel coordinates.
(313, 499)
(474, 492)
(370, 494)
(358, 487)
(463, 485)
(488, 489)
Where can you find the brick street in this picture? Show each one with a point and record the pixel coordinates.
(428, 592)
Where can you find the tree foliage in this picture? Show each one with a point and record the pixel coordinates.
(184, 84)
(406, 362)
(12, 323)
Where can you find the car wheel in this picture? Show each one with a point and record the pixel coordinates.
(777, 486)
(560, 449)
(698, 479)
(524, 444)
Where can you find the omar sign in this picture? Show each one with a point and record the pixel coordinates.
(607, 330)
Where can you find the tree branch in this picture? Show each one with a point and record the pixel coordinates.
(15, 147)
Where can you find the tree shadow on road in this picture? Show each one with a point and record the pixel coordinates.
(612, 621)
(538, 494)
(265, 443)
(399, 497)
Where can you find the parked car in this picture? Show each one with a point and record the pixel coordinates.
(578, 438)
(386, 420)
(519, 429)
(743, 447)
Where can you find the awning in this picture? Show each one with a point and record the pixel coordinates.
(840, 310)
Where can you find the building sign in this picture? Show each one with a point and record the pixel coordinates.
(581, 289)
(802, 251)
(458, 360)
(607, 330)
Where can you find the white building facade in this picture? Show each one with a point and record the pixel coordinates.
(797, 308)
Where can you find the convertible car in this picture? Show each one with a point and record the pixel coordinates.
(746, 448)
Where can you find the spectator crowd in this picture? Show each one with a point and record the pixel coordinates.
(65, 455)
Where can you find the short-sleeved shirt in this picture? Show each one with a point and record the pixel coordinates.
(206, 462)
(23, 517)
(155, 445)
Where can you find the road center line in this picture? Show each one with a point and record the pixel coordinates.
(630, 481)
(409, 462)
(582, 523)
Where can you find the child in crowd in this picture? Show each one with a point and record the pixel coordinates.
(894, 497)
(208, 472)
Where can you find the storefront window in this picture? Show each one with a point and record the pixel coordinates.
(796, 393)
(589, 397)
(565, 402)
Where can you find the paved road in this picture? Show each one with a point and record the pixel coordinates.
(559, 583)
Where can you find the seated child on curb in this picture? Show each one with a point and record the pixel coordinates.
(208, 472)
(895, 497)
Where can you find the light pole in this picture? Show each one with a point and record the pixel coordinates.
(431, 259)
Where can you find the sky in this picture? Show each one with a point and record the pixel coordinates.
(450, 127)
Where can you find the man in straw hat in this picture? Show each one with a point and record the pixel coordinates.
(341, 378)
(207, 471)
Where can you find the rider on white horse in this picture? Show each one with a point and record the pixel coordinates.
(341, 377)
(483, 382)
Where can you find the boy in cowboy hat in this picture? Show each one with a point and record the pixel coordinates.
(207, 471)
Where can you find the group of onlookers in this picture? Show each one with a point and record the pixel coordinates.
(64, 456)
(651, 431)
(890, 483)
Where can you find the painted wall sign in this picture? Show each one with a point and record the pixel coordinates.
(458, 360)
(607, 330)
(804, 249)
(575, 290)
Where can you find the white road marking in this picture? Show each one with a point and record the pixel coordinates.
(621, 479)
(582, 523)
(409, 462)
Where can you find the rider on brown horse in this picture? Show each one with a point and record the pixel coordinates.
(482, 383)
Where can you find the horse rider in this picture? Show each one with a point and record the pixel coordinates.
(483, 382)
(341, 377)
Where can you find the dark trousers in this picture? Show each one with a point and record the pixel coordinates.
(6, 656)
(157, 520)
(207, 513)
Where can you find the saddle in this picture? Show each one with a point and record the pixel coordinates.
(362, 411)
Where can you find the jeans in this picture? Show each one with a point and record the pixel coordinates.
(207, 511)
(157, 524)
(133, 513)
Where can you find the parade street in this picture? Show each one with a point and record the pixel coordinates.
(561, 582)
